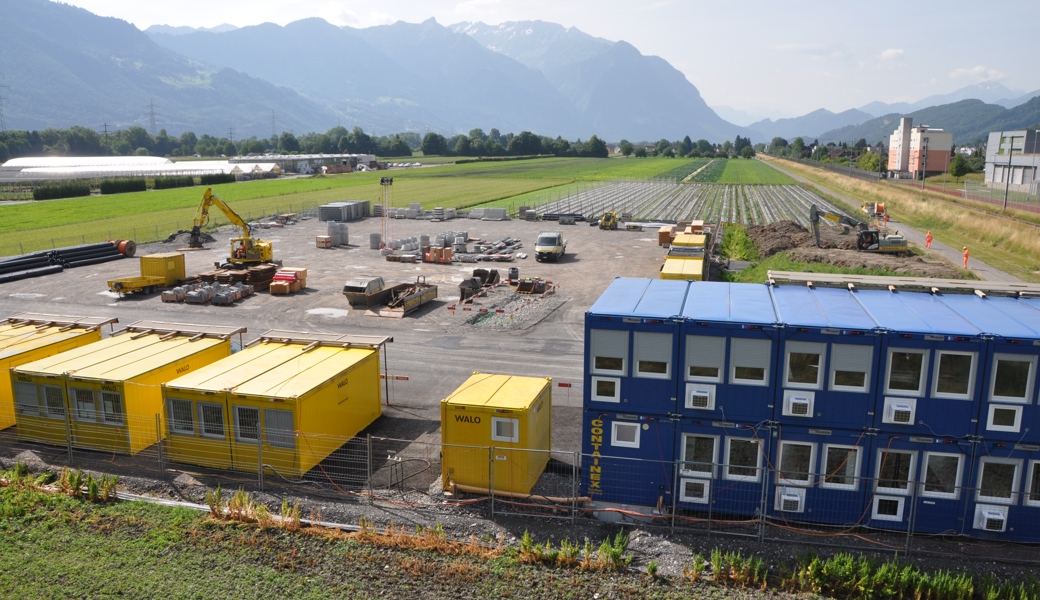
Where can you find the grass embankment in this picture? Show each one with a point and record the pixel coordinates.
(1011, 246)
(58, 545)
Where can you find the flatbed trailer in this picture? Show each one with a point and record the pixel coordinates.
(144, 284)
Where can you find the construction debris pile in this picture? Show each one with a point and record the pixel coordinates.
(212, 293)
(259, 277)
(46, 262)
(504, 250)
(482, 280)
(779, 236)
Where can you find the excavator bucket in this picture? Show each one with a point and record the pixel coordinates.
(526, 286)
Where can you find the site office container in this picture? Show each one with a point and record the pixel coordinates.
(27, 337)
(168, 265)
(510, 414)
(817, 475)
(722, 466)
(828, 355)
(289, 399)
(929, 379)
(727, 353)
(631, 347)
(627, 460)
(1003, 501)
(918, 481)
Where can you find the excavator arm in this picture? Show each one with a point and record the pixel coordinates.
(814, 219)
(202, 217)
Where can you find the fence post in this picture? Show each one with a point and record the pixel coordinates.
(68, 432)
(675, 490)
(913, 519)
(368, 468)
(20, 249)
(711, 495)
(260, 458)
(762, 504)
(574, 487)
(158, 444)
(491, 479)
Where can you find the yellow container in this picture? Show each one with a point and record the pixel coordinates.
(169, 265)
(28, 337)
(510, 413)
(106, 395)
(291, 401)
(686, 269)
(690, 240)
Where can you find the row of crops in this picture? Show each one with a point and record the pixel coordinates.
(682, 172)
(670, 201)
(710, 173)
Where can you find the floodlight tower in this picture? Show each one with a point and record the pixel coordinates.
(386, 187)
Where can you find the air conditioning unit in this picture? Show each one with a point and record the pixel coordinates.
(900, 411)
(790, 500)
(700, 399)
(993, 520)
(700, 396)
(695, 490)
(798, 404)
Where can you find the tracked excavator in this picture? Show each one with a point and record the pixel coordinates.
(867, 239)
(245, 250)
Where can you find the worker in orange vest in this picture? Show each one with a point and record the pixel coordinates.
(928, 240)
(886, 219)
(965, 257)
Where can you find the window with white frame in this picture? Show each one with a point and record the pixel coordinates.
(906, 370)
(841, 467)
(624, 435)
(894, 470)
(743, 459)
(211, 420)
(1033, 484)
(606, 389)
(803, 365)
(278, 428)
(181, 420)
(1013, 376)
(609, 350)
(26, 401)
(998, 480)
(53, 401)
(749, 361)
(111, 408)
(886, 508)
(653, 353)
(705, 357)
(851, 365)
(83, 405)
(694, 490)
(942, 475)
(505, 430)
(247, 424)
(954, 375)
(1003, 417)
(796, 462)
(699, 455)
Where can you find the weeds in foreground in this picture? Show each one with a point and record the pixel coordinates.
(424, 538)
(610, 556)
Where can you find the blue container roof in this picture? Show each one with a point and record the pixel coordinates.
(1005, 317)
(823, 307)
(722, 302)
(914, 312)
(655, 298)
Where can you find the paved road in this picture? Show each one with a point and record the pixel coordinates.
(953, 255)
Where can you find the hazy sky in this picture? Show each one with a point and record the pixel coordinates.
(770, 57)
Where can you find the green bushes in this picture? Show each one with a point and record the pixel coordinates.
(166, 183)
(68, 189)
(123, 186)
(216, 178)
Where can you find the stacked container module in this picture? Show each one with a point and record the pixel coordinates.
(106, 395)
(686, 258)
(509, 413)
(291, 398)
(843, 407)
(27, 337)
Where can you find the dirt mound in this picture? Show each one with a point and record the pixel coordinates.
(182, 237)
(915, 266)
(779, 236)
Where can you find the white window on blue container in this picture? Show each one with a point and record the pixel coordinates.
(743, 459)
(247, 424)
(1033, 484)
(887, 508)
(895, 469)
(998, 480)
(705, 358)
(278, 428)
(53, 401)
(1004, 417)
(749, 361)
(26, 401)
(841, 467)
(609, 352)
(942, 475)
(83, 408)
(1013, 377)
(795, 465)
(850, 367)
(954, 375)
(180, 418)
(505, 430)
(606, 389)
(653, 353)
(907, 371)
(803, 365)
(111, 408)
(700, 454)
(624, 435)
(211, 420)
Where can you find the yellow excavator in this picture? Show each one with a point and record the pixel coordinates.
(245, 250)
(867, 239)
(608, 220)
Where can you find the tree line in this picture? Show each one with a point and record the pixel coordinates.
(687, 148)
(864, 156)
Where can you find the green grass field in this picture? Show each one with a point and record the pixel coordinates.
(750, 172)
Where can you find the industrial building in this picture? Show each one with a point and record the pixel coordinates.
(830, 405)
(1012, 160)
(917, 152)
(40, 168)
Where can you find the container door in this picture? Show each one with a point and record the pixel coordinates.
(245, 436)
(721, 468)
(627, 459)
(279, 439)
(1009, 407)
(98, 417)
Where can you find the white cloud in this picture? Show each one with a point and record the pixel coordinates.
(978, 73)
(891, 54)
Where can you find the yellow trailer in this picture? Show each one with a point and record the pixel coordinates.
(27, 337)
(106, 395)
(513, 415)
(289, 399)
(688, 269)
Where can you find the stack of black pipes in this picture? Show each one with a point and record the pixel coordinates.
(46, 262)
